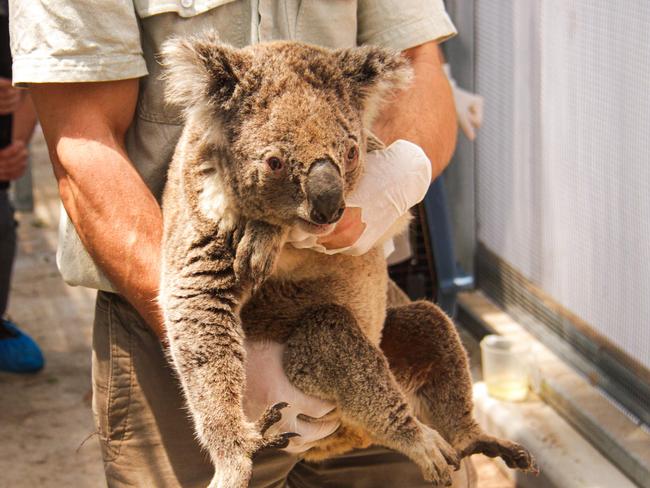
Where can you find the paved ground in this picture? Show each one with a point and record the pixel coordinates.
(45, 418)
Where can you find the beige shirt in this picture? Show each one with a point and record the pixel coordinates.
(81, 40)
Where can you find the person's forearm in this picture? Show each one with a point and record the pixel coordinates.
(116, 216)
(424, 113)
(24, 120)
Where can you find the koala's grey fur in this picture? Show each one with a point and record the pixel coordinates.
(227, 209)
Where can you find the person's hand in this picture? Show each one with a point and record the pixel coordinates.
(469, 107)
(347, 230)
(10, 97)
(13, 161)
(267, 385)
(395, 179)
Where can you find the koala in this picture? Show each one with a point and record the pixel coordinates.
(275, 136)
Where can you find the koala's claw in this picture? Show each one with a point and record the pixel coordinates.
(450, 455)
(271, 416)
(517, 457)
(514, 455)
(280, 441)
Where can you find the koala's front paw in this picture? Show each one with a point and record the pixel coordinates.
(257, 252)
(234, 469)
(271, 416)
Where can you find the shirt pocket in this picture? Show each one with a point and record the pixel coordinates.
(184, 8)
(328, 23)
(161, 19)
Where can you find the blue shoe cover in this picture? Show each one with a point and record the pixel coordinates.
(18, 352)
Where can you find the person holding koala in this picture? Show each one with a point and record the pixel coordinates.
(95, 81)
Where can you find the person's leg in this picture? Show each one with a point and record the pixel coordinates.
(18, 352)
(7, 248)
(146, 434)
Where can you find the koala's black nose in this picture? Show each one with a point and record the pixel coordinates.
(325, 192)
(321, 218)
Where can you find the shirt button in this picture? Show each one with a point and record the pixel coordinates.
(187, 3)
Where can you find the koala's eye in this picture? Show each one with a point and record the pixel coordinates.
(275, 163)
(353, 154)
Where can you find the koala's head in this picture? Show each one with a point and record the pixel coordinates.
(282, 127)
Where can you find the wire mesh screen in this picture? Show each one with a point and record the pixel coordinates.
(563, 158)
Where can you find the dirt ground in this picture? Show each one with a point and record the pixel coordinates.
(46, 429)
(44, 418)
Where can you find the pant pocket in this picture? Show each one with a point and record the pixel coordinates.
(112, 375)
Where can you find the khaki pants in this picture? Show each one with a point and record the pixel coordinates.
(147, 438)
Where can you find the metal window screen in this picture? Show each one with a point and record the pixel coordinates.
(563, 159)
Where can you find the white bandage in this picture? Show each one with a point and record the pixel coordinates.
(395, 179)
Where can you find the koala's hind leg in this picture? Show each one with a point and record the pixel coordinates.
(328, 356)
(428, 359)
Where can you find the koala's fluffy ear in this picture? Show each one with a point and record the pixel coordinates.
(373, 73)
(201, 71)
